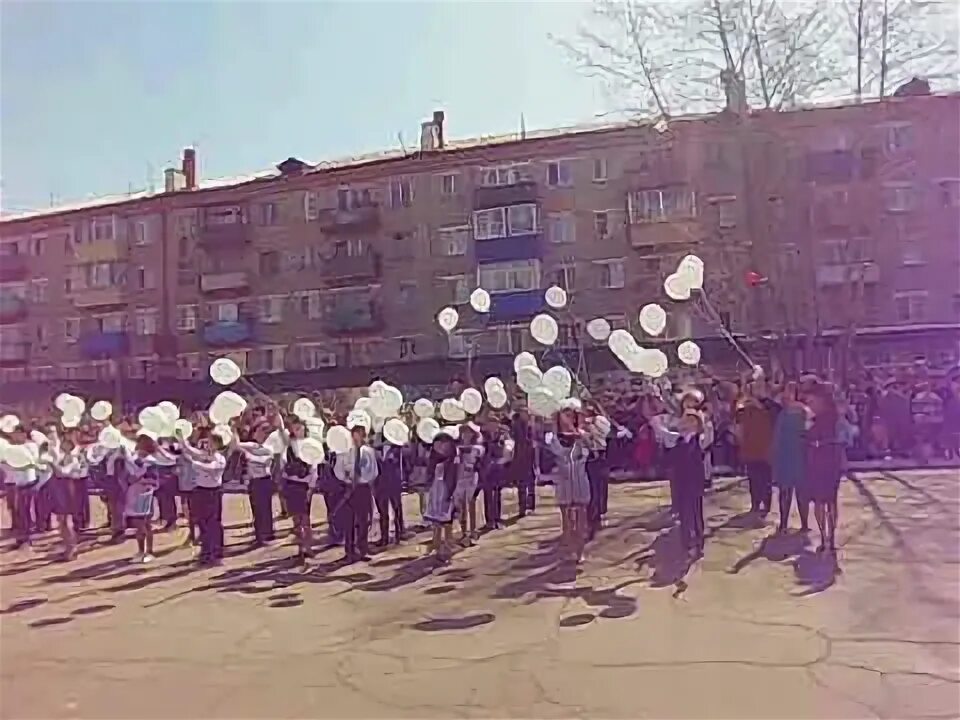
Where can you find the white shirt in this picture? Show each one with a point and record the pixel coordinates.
(208, 472)
(345, 463)
(259, 459)
(73, 464)
(19, 477)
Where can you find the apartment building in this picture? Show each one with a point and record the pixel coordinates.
(332, 274)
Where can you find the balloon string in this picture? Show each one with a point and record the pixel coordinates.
(727, 335)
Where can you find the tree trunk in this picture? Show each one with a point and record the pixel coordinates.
(883, 49)
(861, 41)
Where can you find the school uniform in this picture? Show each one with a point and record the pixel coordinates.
(258, 473)
(388, 490)
(443, 479)
(24, 482)
(357, 469)
(299, 479)
(598, 473)
(467, 475)
(166, 493)
(684, 455)
(521, 467)
(142, 483)
(69, 484)
(571, 484)
(105, 471)
(492, 477)
(207, 503)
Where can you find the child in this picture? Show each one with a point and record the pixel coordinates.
(142, 482)
(685, 449)
(442, 473)
(358, 470)
(465, 492)
(572, 486)
(207, 464)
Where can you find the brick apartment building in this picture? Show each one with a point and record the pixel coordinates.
(331, 274)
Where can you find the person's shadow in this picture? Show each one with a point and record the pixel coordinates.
(775, 548)
(668, 558)
(815, 572)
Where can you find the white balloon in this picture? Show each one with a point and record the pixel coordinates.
(524, 359)
(359, 418)
(224, 432)
(393, 400)
(310, 450)
(653, 319)
(170, 410)
(38, 438)
(70, 421)
(427, 429)
(20, 456)
(634, 359)
(492, 383)
(677, 287)
(452, 411)
(598, 329)
(183, 427)
(471, 400)
(558, 381)
(621, 342)
(448, 318)
(152, 419)
(480, 300)
(654, 363)
(423, 408)
(220, 414)
(452, 431)
(275, 442)
(339, 439)
(304, 408)
(110, 437)
(396, 432)
(571, 403)
(757, 372)
(498, 398)
(602, 425)
(232, 401)
(691, 269)
(543, 402)
(144, 432)
(544, 329)
(74, 406)
(688, 352)
(61, 400)
(101, 410)
(367, 403)
(529, 378)
(225, 371)
(9, 423)
(556, 297)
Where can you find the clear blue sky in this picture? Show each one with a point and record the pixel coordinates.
(94, 93)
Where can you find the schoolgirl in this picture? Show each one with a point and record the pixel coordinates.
(470, 453)
(207, 464)
(442, 465)
(571, 484)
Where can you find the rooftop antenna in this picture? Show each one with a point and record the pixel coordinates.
(523, 127)
(150, 187)
(402, 146)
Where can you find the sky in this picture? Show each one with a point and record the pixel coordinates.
(98, 97)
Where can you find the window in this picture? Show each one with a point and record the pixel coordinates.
(314, 357)
(269, 263)
(110, 322)
(95, 276)
(513, 276)
(489, 224)
(522, 219)
(899, 198)
(43, 373)
(950, 193)
(502, 175)
(188, 366)
(146, 279)
(911, 305)
(448, 184)
(344, 201)
(452, 241)
(145, 322)
(184, 251)
(186, 318)
(560, 173)
(726, 212)
(103, 228)
(37, 244)
(354, 247)
(611, 273)
(650, 265)
(239, 357)
(599, 170)
(268, 360)
(459, 288)
(898, 137)
(267, 213)
(311, 206)
(310, 304)
(561, 228)
(270, 309)
(407, 295)
(38, 290)
(71, 330)
(226, 312)
(911, 249)
(662, 205)
(601, 223)
(142, 235)
(401, 193)
(136, 367)
(43, 334)
(223, 215)
(564, 276)
(290, 261)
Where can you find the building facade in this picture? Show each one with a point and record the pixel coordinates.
(332, 274)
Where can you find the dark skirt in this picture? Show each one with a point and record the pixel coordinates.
(63, 496)
(823, 471)
(295, 494)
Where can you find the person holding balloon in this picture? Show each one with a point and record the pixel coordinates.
(71, 470)
(258, 470)
(143, 479)
(465, 493)
(357, 469)
(442, 473)
(568, 445)
(298, 481)
(207, 464)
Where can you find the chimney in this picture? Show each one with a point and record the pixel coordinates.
(190, 168)
(438, 122)
(173, 180)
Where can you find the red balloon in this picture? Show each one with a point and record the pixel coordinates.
(754, 278)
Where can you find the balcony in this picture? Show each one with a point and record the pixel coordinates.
(220, 334)
(866, 272)
(516, 305)
(13, 268)
(516, 247)
(524, 191)
(832, 166)
(14, 353)
(334, 221)
(345, 269)
(100, 251)
(104, 345)
(350, 315)
(216, 281)
(98, 297)
(224, 226)
(12, 308)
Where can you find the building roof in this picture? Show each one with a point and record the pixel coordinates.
(450, 146)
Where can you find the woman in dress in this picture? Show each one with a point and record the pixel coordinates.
(572, 486)
(299, 480)
(70, 469)
(824, 464)
(142, 479)
(465, 493)
(442, 473)
(788, 456)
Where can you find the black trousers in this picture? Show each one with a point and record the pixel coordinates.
(492, 484)
(333, 494)
(167, 500)
(24, 501)
(260, 494)
(81, 498)
(599, 476)
(208, 508)
(43, 507)
(388, 495)
(691, 521)
(355, 513)
(760, 477)
(526, 489)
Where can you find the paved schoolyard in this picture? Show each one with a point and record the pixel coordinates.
(757, 629)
